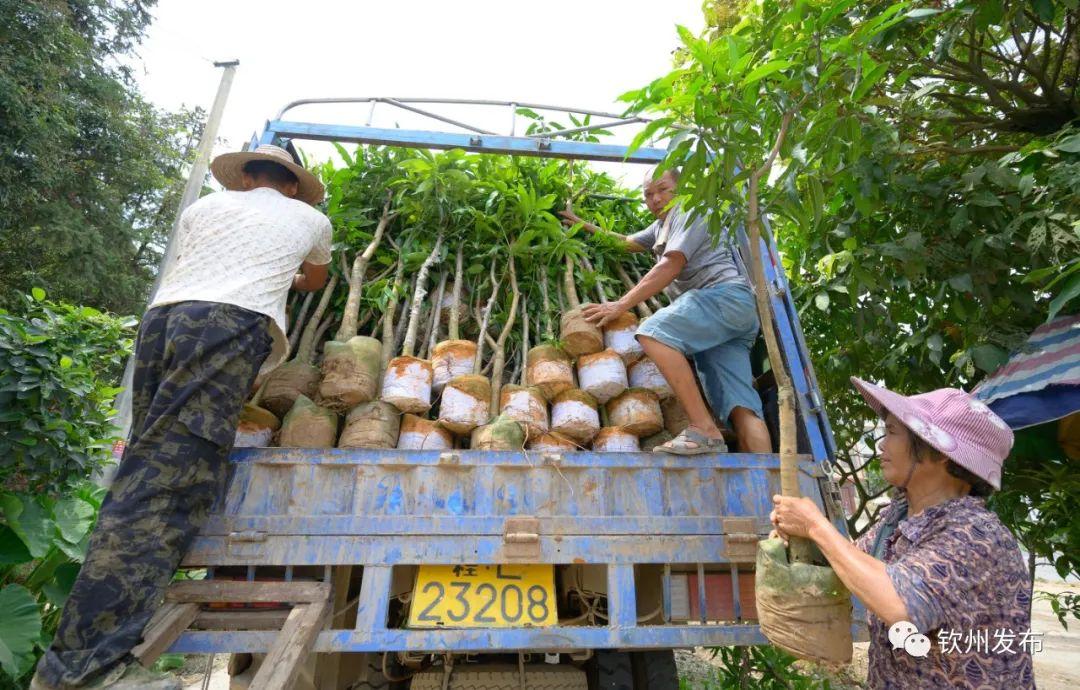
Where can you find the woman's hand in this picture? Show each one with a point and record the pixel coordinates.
(603, 314)
(795, 517)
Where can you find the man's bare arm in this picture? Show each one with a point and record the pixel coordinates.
(570, 218)
(311, 277)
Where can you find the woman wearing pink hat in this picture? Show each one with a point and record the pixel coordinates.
(939, 563)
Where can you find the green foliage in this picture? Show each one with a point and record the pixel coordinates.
(57, 366)
(924, 199)
(90, 173)
(43, 541)
(763, 667)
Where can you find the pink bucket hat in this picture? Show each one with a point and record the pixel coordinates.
(950, 420)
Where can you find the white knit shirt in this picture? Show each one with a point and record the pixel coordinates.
(244, 248)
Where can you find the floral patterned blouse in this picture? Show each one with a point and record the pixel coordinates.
(966, 588)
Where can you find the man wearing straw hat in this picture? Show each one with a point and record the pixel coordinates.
(218, 317)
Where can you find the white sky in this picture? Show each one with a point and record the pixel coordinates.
(580, 53)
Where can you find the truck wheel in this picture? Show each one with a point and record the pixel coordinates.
(503, 677)
(655, 670)
(371, 675)
(611, 670)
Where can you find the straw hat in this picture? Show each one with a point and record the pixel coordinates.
(229, 167)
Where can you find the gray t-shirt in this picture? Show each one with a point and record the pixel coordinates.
(706, 265)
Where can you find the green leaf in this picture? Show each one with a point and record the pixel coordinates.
(29, 521)
(821, 301)
(1069, 292)
(922, 12)
(989, 358)
(12, 549)
(20, 629)
(73, 518)
(1069, 144)
(38, 294)
(765, 70)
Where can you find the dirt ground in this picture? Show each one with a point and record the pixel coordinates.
(1057, 666)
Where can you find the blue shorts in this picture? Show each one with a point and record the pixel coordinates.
(716, 327)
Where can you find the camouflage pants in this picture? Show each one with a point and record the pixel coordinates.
(195, 363)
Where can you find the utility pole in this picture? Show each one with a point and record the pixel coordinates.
(190, 196)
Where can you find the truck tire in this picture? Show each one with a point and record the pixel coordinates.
(612, 670)
(655, 670)
(503, 677)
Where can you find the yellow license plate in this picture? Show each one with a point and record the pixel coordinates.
(483, 596)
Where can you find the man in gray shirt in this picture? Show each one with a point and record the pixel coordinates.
(712, 319)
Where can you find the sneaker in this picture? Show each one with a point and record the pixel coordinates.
(134, 676)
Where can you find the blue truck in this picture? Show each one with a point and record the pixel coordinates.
(464, 569)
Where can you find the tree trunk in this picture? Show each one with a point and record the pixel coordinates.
(800, 549)
(419, 292)
(436, 315)
(478, 365)
(599, 286)
(388, 316)
(298, 324)
(549, 327)
(524, 341)
(568, 285)
(453, 329)
(305, 351)
(643, 309)
(403, 318)
(500, 344)
(351, 313)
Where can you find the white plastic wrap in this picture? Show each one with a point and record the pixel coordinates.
(253, 438)
(435, 439)
(526, 407)
(450, 363)
(574, 419)
(407, 384)
(603, 377)
(645, 374)
(614, 440)
(625, 342)
(461, 411)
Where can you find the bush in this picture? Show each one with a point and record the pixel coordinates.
(58, 367)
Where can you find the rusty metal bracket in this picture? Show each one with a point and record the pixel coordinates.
(521, 537)
(740, 538)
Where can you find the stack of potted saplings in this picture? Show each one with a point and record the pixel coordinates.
(462, 325)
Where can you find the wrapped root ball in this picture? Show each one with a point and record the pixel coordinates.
(309, 426)
(637, 411)
(449, 359)
(578, 336)
(614, 439)
(658, 439)
(574, 415)
(552, 443)
(350, 372)
(502, 434)
(418, 433)
(675, 419)
(621, 335)
(602, 375)
(288, 382)
(256, 427)
(645, 374)
(371, 425)
(465, 403)
(525, 405)
(407, 384)
(549, 370)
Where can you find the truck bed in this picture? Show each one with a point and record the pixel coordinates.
(296, 508)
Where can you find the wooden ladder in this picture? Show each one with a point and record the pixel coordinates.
(183, 604)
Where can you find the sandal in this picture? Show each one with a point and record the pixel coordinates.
(681, 444)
